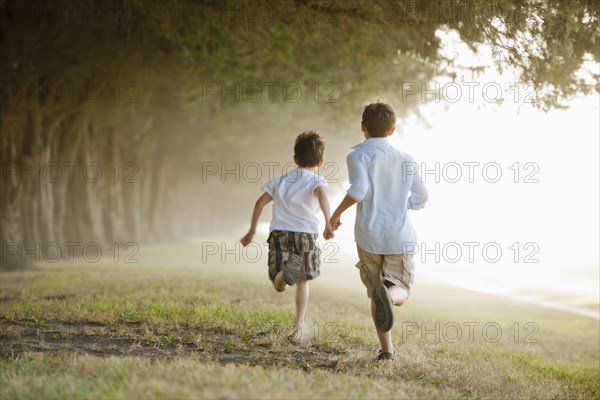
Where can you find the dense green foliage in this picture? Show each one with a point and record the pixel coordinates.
(169, 84)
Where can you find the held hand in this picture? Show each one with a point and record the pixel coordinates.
(247, 239)
(335, 222)
(328, 233)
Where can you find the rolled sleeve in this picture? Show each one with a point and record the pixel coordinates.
(321, 182)
(418, 193)
(359, 180)
(268, 188)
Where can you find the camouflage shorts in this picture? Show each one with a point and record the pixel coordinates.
(284, 243)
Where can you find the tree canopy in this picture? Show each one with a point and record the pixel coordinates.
(168, 84)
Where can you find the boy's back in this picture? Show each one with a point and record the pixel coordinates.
(295, 201)
(385, 183)
(294, 256)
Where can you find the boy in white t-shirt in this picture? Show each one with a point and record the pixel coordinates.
(294, 256)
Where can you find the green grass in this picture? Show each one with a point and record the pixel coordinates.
(174, 327)
(70, 376)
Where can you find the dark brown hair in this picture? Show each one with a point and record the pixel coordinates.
(309, 149)
(379, 118)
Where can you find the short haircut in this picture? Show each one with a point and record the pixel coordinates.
(309, 149)
(379, 118)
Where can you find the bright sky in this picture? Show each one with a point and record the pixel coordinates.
(546, 199)
(560, 212)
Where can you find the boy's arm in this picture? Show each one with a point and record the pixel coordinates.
(337, 214)
(357, 175)
(418, 193)
(258, 207)
(324, 204)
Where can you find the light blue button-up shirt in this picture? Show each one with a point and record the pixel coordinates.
(386, 183)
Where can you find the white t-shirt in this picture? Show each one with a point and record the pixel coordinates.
(295, 201)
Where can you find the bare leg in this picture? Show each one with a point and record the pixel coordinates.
(279, 283)
(399, 295)
(385, 338)
(301, 300)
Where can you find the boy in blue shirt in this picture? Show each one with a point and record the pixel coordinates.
(385, 184)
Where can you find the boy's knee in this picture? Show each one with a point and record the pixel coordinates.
(280, 288)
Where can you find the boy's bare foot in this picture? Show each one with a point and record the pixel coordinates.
(295, 336)
(384, 313)
(291, 269)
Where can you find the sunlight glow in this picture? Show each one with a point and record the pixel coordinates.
(542, 213)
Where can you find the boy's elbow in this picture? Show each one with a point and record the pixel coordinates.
(416, 203)
(422, 197)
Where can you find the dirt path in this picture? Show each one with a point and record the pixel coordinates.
(268, 348)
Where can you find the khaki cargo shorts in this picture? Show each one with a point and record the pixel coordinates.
(399, 269)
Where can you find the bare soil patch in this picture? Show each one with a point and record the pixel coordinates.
(265, 348)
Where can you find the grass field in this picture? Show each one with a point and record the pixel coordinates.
(175, 326)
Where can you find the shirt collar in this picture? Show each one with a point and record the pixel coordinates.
(373, 142)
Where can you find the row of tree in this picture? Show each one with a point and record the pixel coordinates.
(114, 113)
